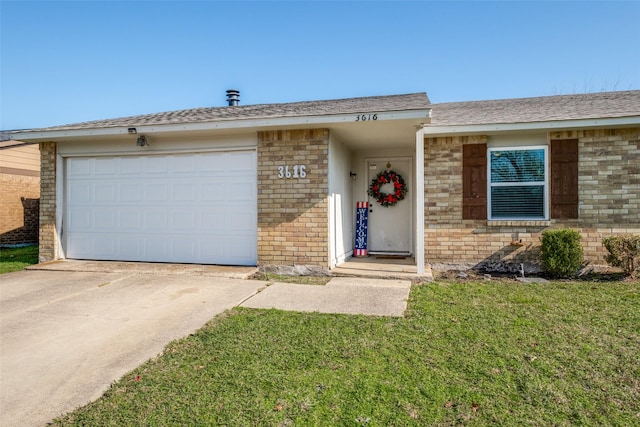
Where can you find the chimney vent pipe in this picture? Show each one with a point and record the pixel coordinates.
(233, 97)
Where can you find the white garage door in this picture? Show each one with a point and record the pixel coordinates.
(192, 208)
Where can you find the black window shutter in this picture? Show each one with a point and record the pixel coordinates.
(564, 178)
(474, 181)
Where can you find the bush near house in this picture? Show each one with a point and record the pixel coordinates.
(561, 252)
(624, 252)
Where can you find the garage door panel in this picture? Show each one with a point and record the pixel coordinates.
(241, 162)
(104, 219)
(156, 192)
(239, 192)
(78, 167)
(129, 248)
(241, 221)
(105, 193)
(129, 219)
(212, 163)
(78, 244)
(155, 248)
(213, 249)
(183, 221)
(104, 246)
(235, 247)
(130, 165)
(210, 192)
(80, 219)
(79, 192)
(129, 192)
(199, 208)
(184, 164)
(184, 192)
(212, 220)
(104, 167)
(155, 220)
(156, 165)
(184, 250)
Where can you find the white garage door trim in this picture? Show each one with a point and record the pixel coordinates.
(185, 208)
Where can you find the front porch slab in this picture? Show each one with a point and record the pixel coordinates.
(383, 268)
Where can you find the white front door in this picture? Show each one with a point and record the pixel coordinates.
(390, 227)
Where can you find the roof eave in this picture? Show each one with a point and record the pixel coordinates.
(556, 125)
(249, 124)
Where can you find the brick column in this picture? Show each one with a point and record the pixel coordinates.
(48, 238)
(293, 222)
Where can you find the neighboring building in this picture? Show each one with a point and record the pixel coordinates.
(277, 184)
(19, 191)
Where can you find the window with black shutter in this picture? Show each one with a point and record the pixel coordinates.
(474, 181)
(564, 179)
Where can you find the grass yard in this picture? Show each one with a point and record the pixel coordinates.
(16, 259)
(474, 353)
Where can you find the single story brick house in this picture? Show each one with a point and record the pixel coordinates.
(19, 191)
(277, 184)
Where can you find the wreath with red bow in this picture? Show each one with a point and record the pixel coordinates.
(388, 177)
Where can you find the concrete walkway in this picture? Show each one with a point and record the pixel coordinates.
(347, 295)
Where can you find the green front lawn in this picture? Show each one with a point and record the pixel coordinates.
(475, 353)
(16, 259)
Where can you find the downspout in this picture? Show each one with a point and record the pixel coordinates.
(420, 200)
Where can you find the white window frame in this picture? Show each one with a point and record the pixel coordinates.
(508, 184)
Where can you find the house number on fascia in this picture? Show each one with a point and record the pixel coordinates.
(366, 117)
(297, 171)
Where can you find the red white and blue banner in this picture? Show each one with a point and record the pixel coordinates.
(362, 219)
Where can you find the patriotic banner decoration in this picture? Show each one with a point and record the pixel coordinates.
(362, 219)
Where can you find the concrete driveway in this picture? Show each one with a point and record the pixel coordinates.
(66, 336)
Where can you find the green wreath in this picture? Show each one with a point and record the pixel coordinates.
(388, 177)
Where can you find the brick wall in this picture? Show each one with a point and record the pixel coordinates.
(19, 207)
(293, 213)
(609, 203)
(48, 239)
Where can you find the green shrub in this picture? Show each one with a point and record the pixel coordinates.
(561, 252)
(624, 252)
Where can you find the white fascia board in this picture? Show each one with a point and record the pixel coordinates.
(225, 125)
(71, 133)
(550, 125)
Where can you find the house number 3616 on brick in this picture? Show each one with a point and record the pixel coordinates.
(295, 171)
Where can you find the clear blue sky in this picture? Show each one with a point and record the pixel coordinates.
(65, 62)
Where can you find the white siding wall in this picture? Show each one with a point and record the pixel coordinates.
(26, 157)
(341, 202)
(166, 144)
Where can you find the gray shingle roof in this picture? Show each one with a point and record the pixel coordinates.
(540, 109)
(7, 142)
(415, 101)
(517, 110)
